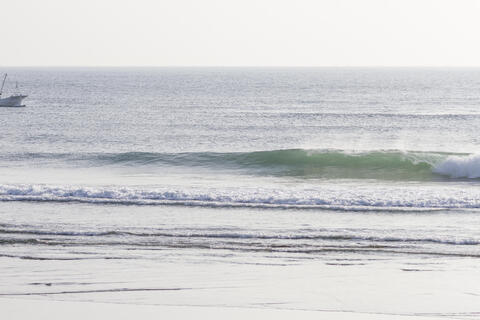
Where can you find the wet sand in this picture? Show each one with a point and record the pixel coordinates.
(19, 309)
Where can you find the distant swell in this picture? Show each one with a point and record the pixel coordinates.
(322, 196)
(330, 164)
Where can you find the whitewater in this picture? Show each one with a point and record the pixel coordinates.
(290, 178)
(354, 188)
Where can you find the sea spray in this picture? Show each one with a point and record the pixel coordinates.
(460, 167)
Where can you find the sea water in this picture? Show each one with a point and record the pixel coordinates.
(343, 189)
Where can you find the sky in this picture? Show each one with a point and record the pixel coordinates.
(240, 33)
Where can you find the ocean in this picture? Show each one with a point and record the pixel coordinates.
(339, 189)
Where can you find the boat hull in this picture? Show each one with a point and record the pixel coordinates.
(12, 101)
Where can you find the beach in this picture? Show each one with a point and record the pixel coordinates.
(27, 309)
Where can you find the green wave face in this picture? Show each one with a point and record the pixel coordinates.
(388, 165)
(300, 163)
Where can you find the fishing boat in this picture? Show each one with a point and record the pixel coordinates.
(14, 100)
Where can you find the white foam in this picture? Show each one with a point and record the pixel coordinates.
(348, 197)
(460, 167)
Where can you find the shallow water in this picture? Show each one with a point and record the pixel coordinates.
(375, 262)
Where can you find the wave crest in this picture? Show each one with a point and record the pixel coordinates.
(328, 164)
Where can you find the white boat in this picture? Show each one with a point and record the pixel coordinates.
(14, 100)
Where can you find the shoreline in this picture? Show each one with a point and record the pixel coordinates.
(19, 309)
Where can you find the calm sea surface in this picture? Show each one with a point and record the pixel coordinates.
(345, 189)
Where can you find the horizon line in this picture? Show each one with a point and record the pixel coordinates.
(241, 66)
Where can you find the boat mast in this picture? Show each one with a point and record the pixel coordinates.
(4, 78)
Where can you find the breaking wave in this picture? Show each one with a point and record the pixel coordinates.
(459, 167)
(329, 164)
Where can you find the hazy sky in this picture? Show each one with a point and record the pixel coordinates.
(240, 33)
